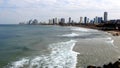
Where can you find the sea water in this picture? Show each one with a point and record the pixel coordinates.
(38, 46)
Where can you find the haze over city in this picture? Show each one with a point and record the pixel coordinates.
(14, 11)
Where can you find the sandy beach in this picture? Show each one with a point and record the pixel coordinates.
(97, 52)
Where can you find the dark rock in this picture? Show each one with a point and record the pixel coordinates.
(99, 67)
(110, 65)
(104, 66)
(91, 67)
(116, 64)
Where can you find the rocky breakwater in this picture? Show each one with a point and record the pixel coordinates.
(110, 65)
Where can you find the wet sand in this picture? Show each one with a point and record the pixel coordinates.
(116, 41)
(97, 52)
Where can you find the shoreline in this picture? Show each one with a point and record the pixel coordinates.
(112, 32)
(115, 35)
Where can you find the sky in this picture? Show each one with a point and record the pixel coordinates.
(15, 11)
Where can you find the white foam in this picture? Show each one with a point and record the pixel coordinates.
(70, 35)
(79, 29)
(111, 41)
(21, 63)
(61, 56)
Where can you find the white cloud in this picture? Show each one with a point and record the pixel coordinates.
(67, 4)
(44, 9)
(30, 3)
(1, 1)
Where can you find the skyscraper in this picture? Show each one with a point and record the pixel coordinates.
(85, 20)
(50, 21)
(105, 16)
(53, 21)
(56, 21)
(62, 20)
(81, 19)
(96, 19)
(99, 19)
(69, 20)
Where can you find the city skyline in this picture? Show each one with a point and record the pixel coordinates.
(84, 20)
(14, 11)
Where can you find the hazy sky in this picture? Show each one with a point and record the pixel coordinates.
(14, 11)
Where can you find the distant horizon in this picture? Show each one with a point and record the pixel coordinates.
(15, 11)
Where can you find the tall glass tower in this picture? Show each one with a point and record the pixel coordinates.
(105, 16)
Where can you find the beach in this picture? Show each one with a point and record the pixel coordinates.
(99, 55)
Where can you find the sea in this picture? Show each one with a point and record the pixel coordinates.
(49, 46)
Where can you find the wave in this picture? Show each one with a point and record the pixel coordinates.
(70, 35)
(83, 29)
(61, 56)
(111, 41)
(79, 29)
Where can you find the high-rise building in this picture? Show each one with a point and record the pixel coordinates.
(34, 22)
(99, 19)
(91, 21)
(62, 20)
(96, 19)
(69, 20)
(105, 16)
(53, 21)
(72, 21)
(85, 20)
(56, 21)
(81, 19)
(50, 21)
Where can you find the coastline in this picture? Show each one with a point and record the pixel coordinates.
(97, 62)
(115, 35)
(76, 48)
(112, 32)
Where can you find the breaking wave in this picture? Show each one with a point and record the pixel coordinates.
(70, 35)
(61, 56)
(111, 41)
(80, 29)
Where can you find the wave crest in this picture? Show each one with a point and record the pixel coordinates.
(61, 56)
(70, 35)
